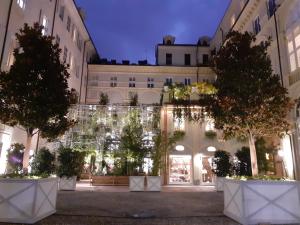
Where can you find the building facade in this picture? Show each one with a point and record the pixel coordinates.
(280, 20)
(190, 162)
(62, 20)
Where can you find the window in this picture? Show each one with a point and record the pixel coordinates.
(74, 35)
(71, 62)
(169, 81)
(69, 23)
(294, 49)
(179, 124)
(271, 7)
(205, 59)
(257, 27)
(62, 12)
(21, 3)
(131, 82)
(10, 58)
(45, 23)
(57, 39)
(65, 56)
(168, 59)
(233, 19)
(187, 59)
(150, 82)
(187, 81)
(77, 71)
(113, 81)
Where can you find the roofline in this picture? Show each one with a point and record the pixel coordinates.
(90, 37)
(182, 45)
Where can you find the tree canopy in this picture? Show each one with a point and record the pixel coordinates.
(250, 98)
(34, 93)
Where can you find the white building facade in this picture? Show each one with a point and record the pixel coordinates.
(280, 20)
(62, 20)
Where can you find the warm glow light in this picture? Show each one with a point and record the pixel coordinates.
(287, 156)
(6, 143)
(211, 149)
(179, 148)
(280, 153)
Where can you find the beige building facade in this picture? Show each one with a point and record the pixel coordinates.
(62, 20)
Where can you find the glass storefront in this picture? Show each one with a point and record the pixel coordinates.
(180, 169)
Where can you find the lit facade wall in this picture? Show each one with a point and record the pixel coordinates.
(258, 17)
(68, 30)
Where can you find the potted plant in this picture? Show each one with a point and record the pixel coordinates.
(222, 167)
(70, 166)
(162, 146)
(259, 200)
(25, 198)
(210, 134)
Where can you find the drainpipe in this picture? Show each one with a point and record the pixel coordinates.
(278, 47)
(6, 31)
(87, 81)
(82, 67)
(54, 17)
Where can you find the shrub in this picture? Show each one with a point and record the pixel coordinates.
(70, 162)
(43, 163)
(243, 166)
(15, 159)
(222, 163)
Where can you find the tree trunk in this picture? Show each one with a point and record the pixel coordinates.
(253, 155)
(26, 152)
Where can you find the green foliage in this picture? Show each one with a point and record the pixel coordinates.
(222, 163)
(243, 166)
(43, 163)
(163, 144)
(264, 165)
(132, 149)
(34, 92)
(103, 99)
(250, 98)
(70, 162)
(210, 134)
(134, 100)
(15, 159)
(264, 177)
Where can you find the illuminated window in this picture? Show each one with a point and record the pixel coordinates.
(232, 20)
(179, 124)
(210, 125)
(293, 46)
(21, 3)
(45, 25)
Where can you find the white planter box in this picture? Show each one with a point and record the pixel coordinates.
(220, 183)
(255, 202)
(136, 183)
(67, 184)
(153, 183)
(27, 200)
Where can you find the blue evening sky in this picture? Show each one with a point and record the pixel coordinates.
(130, 29)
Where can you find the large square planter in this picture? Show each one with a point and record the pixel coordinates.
(220, 183)
(67, 183)
(137, 183)
(153, 183)
(258, 201)
(27, 200)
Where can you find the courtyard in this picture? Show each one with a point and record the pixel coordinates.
(117, 205)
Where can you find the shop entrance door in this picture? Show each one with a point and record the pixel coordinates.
(180, 169)
(207, 176)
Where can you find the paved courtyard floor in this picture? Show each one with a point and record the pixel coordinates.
(175, 205)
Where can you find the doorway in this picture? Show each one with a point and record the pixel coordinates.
(180, 169)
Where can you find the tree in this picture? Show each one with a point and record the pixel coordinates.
(132, 149)
(250, 101)
(104, 100)
(243, 166)
(43, 163)
(34, 93)
(222, 163)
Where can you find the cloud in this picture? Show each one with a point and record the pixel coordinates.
(130, 29)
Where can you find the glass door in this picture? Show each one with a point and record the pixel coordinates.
(180, 169)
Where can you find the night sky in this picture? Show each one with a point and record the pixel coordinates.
(130, 29)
